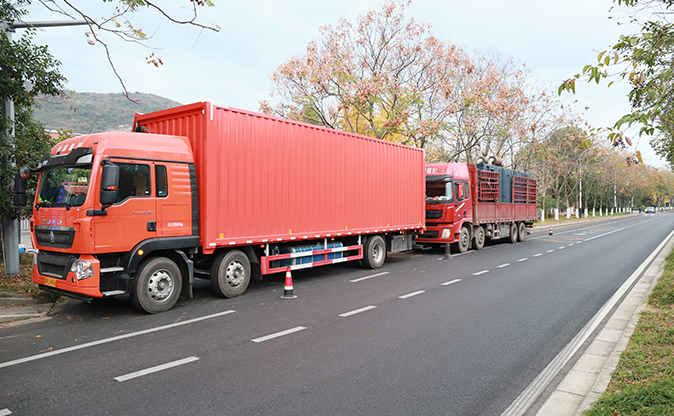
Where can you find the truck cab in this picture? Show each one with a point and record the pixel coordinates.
(448, 203)
(104, 204)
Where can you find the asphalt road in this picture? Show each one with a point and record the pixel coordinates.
(421, 335)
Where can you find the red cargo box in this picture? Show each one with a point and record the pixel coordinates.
(263, 179)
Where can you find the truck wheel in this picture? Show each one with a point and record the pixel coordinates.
(513, 233)
(374, 252)
(230, 273)
(157, 286)
(521, 232)
(464, 240)
(478, 240)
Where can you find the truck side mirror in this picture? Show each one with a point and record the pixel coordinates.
(20, 198)
(109, 184)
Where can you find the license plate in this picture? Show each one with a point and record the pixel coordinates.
(50, 281)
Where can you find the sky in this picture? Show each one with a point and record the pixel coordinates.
(231, 68)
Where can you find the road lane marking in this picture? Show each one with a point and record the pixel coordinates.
(451, 282)
(550, 251)
(5, 412)
(503, 265)
(534, 390)
(156, 369)
(570, 245)
(538, 255)
(368, 277)
(480, 272)
(112, 339)
(578, 242)
(409, 295)
(561, 248)
(365, 309)
(524, 259)
(279, 334)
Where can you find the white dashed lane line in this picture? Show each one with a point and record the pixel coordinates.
(156, 369)
(480, 272)
(538, 255)
(367, 277)
(279, 334)
(409, 295)
(365, 309)
(451, 282)
(524, 259)
(550, 251)
(503, 265)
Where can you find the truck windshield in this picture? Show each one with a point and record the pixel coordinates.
(438, 192)
(64, 186)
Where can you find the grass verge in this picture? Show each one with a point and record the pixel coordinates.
(643, 382)
(22, 282)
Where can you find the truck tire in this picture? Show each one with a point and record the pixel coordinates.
(513, 233)
(521, 232)
(230, 273)
(374, 252)
(157, 286)
(479, 238)
(464, 240)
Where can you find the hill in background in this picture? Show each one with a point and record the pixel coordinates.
(88, 112)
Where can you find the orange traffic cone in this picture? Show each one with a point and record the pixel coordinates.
(550, 230)
(288, 287)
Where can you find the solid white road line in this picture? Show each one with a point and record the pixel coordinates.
(112, 339)
(156, 369)
(367, 277)
(367, 308)
(451, 282)
(409, 295)
(279, 334)
(480, 272)
(531, 393)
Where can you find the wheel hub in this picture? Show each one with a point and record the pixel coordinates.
(235, 274)
(160, 285)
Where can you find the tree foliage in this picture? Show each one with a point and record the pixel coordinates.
(386, 76)
(645, 60)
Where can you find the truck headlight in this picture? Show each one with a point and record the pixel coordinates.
(446, 232)
(83, 269)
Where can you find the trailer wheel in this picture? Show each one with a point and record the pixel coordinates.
(374, 252)
(513, 233)
(479, 238)
(521, 232)
(157, 286)
(230, 273)
(464, 240)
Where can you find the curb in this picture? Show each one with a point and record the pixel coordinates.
(26, 310)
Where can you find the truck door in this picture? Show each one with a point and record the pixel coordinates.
(130, 218)
(174, 199)
(462, 202)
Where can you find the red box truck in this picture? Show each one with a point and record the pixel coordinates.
(468, 204)
(220, 193)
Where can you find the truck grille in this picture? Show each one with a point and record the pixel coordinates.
(56, 237)
(433, 214)
(54, 264)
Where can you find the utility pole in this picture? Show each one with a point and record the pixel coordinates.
(10, 227)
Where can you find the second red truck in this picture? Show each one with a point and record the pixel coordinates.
(468, 204)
